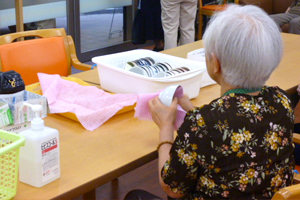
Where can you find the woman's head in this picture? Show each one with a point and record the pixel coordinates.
(247, 43)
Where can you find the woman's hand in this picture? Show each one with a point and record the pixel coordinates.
(162, 115)
(185, 103)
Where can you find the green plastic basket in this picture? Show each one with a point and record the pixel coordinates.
(10, 144)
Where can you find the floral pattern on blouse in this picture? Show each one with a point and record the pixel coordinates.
(237, 147)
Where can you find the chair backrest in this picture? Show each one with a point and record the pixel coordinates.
(48, 53)
(288, 193)
(224, 2)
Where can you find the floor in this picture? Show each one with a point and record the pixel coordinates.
(145, 177)
(98, 29)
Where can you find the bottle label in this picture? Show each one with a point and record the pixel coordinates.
(50, 159)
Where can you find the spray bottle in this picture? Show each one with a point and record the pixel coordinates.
(40, 157)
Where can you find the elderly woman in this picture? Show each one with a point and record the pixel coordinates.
(239, 146)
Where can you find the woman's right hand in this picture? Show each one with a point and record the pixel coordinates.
(185, 103)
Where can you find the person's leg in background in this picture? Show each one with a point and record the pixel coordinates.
(170, 21)
(152, 17)
(188, 10)
(294, 26)
(283, 18)
(159, 45)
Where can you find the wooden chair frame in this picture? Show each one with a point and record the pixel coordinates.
(288, 193)
(291, 192)
(209, 10)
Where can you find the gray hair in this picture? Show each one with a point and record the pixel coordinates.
(247, 43)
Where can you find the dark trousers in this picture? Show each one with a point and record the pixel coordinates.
(141, 195)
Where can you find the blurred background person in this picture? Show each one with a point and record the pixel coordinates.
(291, 16)
(147, 24)
(178, 14)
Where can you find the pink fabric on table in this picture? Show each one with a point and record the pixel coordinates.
(142, 110)
(91, 105)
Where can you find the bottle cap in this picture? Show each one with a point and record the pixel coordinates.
(37, 122)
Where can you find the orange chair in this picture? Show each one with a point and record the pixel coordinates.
(291, 192)
(52, 52)
(288, 193)
(209, 10)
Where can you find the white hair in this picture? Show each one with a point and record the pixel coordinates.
(247, 43)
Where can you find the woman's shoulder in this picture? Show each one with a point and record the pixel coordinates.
(231, 102)
(227, 101)
(273, 89)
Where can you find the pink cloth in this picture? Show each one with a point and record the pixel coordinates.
(91, 105)
(142, 110)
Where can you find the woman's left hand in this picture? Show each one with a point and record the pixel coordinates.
(162, 115)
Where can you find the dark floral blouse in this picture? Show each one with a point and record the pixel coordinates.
(237, 147)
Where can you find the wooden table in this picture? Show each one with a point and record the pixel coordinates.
(123, 143)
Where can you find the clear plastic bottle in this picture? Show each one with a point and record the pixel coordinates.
(40, 157)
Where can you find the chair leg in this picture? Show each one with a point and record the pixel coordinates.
(200, 26)
(91, 195)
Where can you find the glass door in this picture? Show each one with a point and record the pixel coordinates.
(37, 14)
(100, 27)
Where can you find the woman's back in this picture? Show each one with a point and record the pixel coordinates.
(237, 147)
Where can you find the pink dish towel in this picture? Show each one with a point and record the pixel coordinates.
(91, 105)
(142, 110)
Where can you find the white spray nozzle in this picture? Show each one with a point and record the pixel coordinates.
(37, 122)
(34, 107)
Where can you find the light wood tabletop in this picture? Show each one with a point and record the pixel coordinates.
(90, 159)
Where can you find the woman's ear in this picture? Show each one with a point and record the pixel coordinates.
(216, 64)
